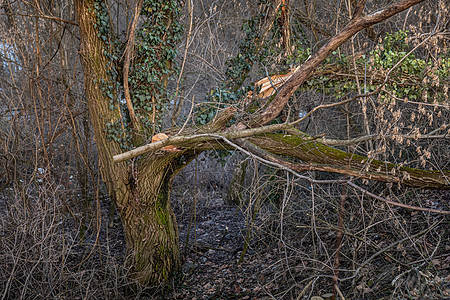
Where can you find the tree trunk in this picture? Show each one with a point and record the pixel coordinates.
(141, 188)
(234, 194)
(149, 222)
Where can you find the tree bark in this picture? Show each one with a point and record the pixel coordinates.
(149, 222)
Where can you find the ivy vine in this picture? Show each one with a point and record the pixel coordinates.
(154, 62)
(409, 80)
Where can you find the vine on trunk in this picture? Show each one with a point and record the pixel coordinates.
(154, 60)
(153, 63)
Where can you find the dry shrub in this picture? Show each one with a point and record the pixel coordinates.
(385, 251)
(42, 254)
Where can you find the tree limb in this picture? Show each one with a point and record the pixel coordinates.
(306, 148)
(329, 159)
(266, 157)
(299, 77)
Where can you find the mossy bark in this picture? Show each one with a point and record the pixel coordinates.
(149, 222)
(325, 158)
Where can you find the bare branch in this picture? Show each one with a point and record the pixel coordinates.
(179, 105)
(364, 191)
(41, 17)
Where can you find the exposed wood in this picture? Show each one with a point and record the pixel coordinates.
(162, 136)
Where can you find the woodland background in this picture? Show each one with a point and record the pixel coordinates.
(248, 230)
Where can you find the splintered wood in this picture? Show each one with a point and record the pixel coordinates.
(269, 85)
(163, 136)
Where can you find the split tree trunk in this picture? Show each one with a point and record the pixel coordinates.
(141, 188)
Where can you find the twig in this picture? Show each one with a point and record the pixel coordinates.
(188, 117)
(40, 16)
(339, 292)
(339, 234)
(372, 137)
(305, 289)
(426, 230)
(431, 210)
(179, 105)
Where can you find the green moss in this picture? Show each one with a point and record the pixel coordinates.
(318, 153)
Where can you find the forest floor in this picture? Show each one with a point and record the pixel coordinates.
(269, 270)
(215, 244)
(211, 244)
(290, 262)
(272, 268)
